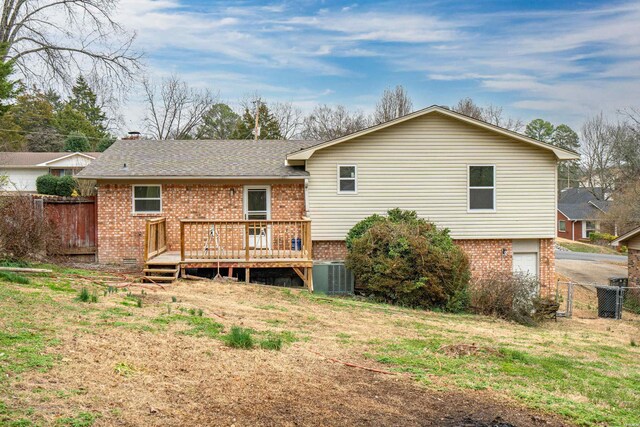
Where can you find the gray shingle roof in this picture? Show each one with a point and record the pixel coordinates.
(196, 158)
(581, 204)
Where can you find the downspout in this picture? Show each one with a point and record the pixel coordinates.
(573, 230)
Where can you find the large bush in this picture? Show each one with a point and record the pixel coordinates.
(25, 233)
(405, 260)
(56, 186)
(510, 297)
(46, 184)
(76, 141)
(65, 186)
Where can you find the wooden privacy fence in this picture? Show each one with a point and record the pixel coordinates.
(245, 240)
(75, 218)
(155, 237)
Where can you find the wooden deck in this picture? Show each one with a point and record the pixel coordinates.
(173, 258)
(230, 244)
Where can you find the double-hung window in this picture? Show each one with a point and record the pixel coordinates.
(147, 199)
(482, 188)
(347, 179)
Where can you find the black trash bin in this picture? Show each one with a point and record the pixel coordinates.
(609, 302)
(621, 282)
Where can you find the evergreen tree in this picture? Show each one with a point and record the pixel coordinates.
(29, 118)
(69, 120)
(76, 141)
(85, 101)
(105, 143)
(540, 129)
(268, 124)
(218, 122)
(8, 88)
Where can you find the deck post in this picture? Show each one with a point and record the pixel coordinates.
(146, 240)
(181, 241)
(247, 272)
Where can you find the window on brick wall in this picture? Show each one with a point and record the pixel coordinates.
(482, 188)
(562, 226)
(147, 199)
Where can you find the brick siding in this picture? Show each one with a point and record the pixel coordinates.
(485, 256)
(121, 233)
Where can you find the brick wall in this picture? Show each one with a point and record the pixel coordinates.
(329, 250)
(121, 233)
(485, 256)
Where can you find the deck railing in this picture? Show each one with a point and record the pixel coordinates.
(155, 237)
(245, 240)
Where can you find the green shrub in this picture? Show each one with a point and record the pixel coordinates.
(84, 295)
(601, 238)
(46, 184)
(239, 338)
(403, 259)
(65, 186)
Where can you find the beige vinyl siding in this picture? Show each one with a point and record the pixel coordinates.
(634, 243)
(422, 165)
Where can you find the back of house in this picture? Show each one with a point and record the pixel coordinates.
(289, 204)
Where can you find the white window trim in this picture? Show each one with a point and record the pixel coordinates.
(245, 198)
(133, 200)
(486, 188)
(565, 226)
(355, 179)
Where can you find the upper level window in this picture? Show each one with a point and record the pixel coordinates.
(482, 188)
(147, 199)
(347, 179)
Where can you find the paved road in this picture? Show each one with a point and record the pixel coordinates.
(583, 256)
(590, 268)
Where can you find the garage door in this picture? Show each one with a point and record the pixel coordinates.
(526, 263)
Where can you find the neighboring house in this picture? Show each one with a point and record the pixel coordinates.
(23, 168)
(632, 241)
(288, 204)
(580, 211)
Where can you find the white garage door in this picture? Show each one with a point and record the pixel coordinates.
(526, 263)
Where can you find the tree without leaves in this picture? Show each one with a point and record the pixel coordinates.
(469, 108)
(52, 39)
(218, 122)
(289, 119)
(325, 123)
(174, 110)
(393, 104)
(491, 114)
(598, 154)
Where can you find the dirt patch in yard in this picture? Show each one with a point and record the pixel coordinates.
(132, 366)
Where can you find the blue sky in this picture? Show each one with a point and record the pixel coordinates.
(560, 60)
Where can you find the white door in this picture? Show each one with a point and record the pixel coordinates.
(526, 263)
(257, 206)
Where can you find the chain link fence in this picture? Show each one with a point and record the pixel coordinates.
(614, 300)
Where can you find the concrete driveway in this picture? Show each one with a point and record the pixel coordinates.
(590, 268)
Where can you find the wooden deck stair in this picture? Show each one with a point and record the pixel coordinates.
(161, 272)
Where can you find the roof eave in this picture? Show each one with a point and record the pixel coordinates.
(187, 177)
(627, 236)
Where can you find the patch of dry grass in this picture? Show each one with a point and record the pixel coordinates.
(165, 363)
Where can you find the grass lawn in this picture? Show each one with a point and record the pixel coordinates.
(211, 353)
(585, 247)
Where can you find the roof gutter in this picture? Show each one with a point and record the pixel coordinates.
(186, 177)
